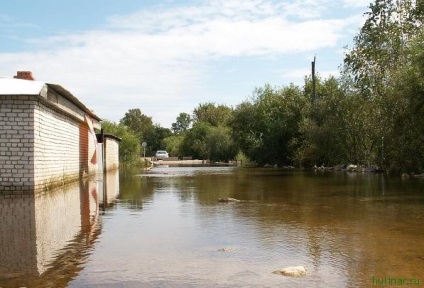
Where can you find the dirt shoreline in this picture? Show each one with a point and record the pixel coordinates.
(180, 162)
(195, 162)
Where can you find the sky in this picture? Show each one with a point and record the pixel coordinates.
(166, 57)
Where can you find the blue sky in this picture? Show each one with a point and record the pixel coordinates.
(167, 57)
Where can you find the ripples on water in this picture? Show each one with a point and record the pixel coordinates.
(165, 228)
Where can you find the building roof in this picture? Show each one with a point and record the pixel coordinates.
(9, 86)
(113, 137)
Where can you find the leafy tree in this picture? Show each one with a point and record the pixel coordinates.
(212, 114)
(403, 146)
(337, 128)
(194, 141)
(173, 144)
(137, 121)
(244, 131)
(154, 137)
(182, 124)
(129, 147)
(220, 145)
(379, 46)
(372, 114)
(209, 138)
(265, 128)
(204, 141)
(323, 125)
(379, 50)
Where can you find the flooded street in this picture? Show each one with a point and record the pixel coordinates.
(165, 228)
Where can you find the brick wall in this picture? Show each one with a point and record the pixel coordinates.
(16, 144)
(41, 147)
(63, 148)
(112, 153)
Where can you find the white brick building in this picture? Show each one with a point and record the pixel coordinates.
(111, 146)
(45, 137)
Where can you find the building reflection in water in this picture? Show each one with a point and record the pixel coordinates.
(48, 236)
(109, 187)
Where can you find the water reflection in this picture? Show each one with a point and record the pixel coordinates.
(108, 187)
(46, 238)
(344, 227)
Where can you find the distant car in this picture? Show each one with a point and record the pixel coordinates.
(161, 154)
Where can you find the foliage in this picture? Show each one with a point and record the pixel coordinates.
(182, 124)
(372, 114)
(379, 46)
(154, 138)
(214, 115)
(129, 147)
(336, 127)
(245, 161)
(265, 128)
(194, 144)
(220, 145)
(143, 128)
(210, 137)
(384, 65)
(172, 144)
(137, 122)
(403, 144)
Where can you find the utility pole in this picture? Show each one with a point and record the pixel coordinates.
(314, 93)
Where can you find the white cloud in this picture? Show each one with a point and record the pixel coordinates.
(156, 59)
(357, 3)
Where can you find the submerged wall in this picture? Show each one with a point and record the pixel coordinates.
(63, 148)
(16, 143)
(46, 140)
(112, 152)
(41, 147)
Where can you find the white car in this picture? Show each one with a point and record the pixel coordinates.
(161, 154)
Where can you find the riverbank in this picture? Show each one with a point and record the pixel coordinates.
(196, 162)
(180, 162)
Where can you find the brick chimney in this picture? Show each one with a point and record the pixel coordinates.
(24, 75)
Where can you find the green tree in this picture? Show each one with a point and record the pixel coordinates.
(322, 127)
(204, 141)
(212, 114)
(403, 150)
(173, 144)
(245, 131)
(379, 46)
(182, 124)
(129, 147)
(379, 50)
(266, 128)
(154, 137)
(338, 127)
(194, 143)
(220, 145)
(137, 121)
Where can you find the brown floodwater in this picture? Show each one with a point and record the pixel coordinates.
(165, 228)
